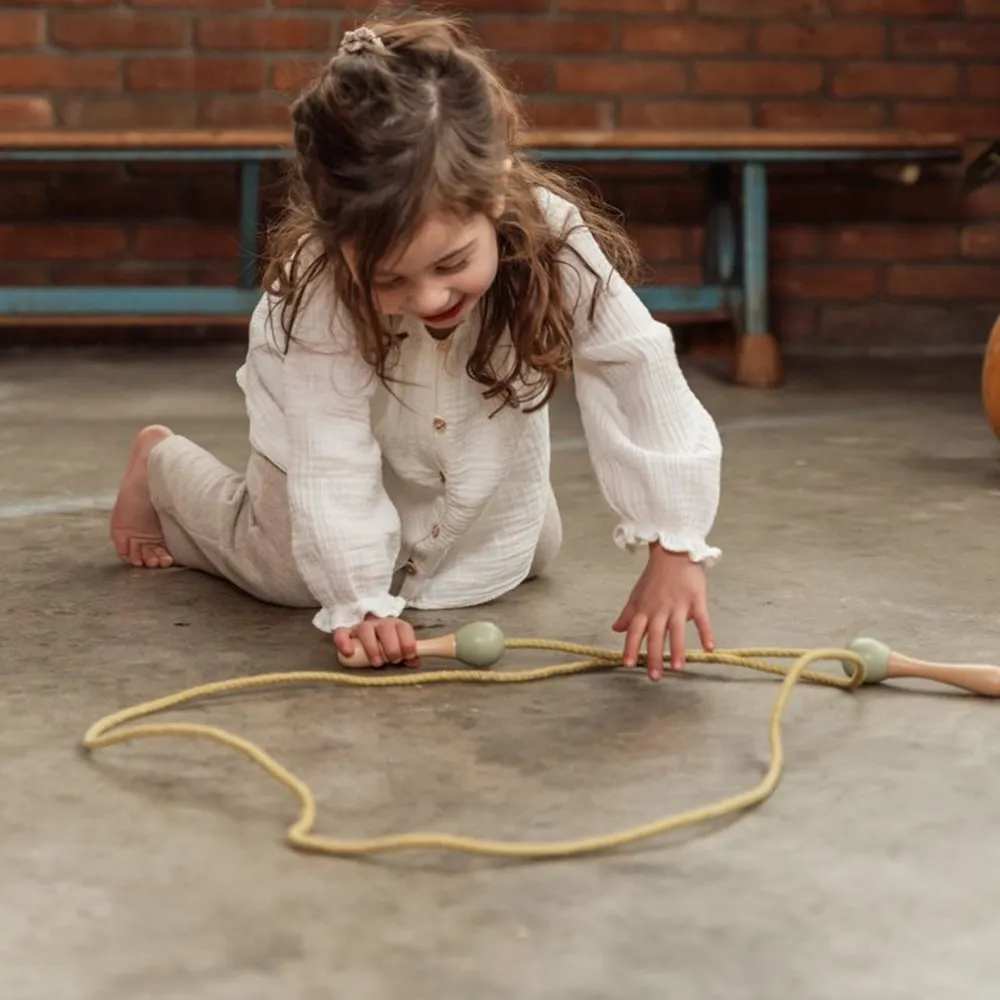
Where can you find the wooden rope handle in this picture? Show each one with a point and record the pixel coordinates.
(478, 644)
(883, 663)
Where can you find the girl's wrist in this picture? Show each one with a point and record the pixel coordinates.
(657, 551)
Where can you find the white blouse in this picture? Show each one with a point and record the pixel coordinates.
(421, 480)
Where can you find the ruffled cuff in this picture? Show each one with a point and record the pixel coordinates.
(348, 615)
(631, 536)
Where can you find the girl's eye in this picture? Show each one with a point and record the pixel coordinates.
(387, 284)
(453, 268)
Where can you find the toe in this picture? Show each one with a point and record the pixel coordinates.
(155, 556)
(150, 556)
(144, 550)
(120, 542)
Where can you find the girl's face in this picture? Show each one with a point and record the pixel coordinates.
(447, 267)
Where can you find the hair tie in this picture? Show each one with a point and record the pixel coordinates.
(359, 41)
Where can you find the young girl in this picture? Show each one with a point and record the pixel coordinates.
(426, 287)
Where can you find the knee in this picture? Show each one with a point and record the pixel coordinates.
(280, 590)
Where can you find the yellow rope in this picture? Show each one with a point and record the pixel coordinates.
(108, 731)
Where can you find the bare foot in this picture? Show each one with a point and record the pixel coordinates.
(135, 526)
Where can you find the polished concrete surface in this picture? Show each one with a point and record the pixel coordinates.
(856, 500)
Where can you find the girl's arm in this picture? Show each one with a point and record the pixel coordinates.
(345, 530)
(655, 448)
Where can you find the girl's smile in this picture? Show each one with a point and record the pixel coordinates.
(447, 317)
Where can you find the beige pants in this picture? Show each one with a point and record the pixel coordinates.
(237, 526)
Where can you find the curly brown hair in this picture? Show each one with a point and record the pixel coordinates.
(408, 116)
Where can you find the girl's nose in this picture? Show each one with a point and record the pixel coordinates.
(430, 299)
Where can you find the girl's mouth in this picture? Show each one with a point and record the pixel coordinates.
(448, 314)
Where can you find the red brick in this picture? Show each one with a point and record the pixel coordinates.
(201, 4)
(794, 322)
(216, 200)
(888, 243)
(198, 74)
(911, 325)
(21, 29)
(982, 240)
(346, 23)
(948, 40)
(824, 281)
(25, 112)
(212, 274)
(674, 274)
(625, 6)
(119, 274)
(824, 38)
(22, 198)
(37, 72)
(528, 76)
(661, 243)
(223, 111)
(983, 82)
(665, 201)
(116, 30)
(983, 203)
(971, 119)
(184, 243)
(895, 79)
(762, 8)
(590, 76)
(291, 75)
(795, 242)
(569, 114)
(61, 242)
(943, 281)
(109, 194)
(34, 275)
(685, 114)
(855, 196)
(549, 37)
(197, 173)
(897, 8)
(465, 7)
(697, 241)
(64, 3)
(758, 78)
(820, 114)
(266, 33)
(126, 112)
(684, 37)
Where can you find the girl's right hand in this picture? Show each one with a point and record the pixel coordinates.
(384, 640)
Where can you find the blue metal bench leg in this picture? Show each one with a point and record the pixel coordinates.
(249, 218)
(758, 360)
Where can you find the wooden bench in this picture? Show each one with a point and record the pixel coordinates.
(735, 279)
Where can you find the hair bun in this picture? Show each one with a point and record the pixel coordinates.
(359, 41)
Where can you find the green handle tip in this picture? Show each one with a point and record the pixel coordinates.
(479, 644)
(876, 657)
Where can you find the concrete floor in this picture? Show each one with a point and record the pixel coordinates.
(855, 501)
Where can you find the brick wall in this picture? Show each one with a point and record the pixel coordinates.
(860, 261)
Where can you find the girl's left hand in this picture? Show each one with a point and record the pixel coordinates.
(670, 592)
